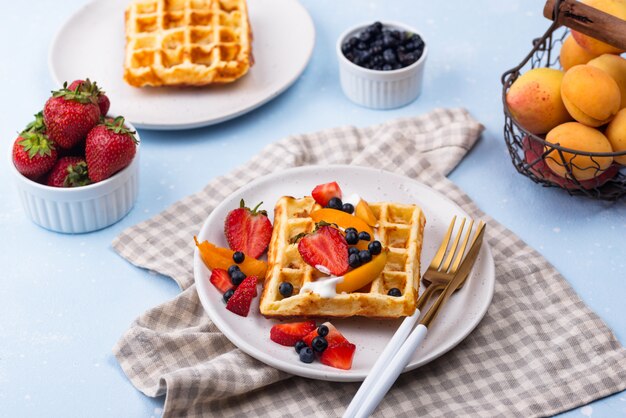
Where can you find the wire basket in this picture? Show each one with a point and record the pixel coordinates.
(531, 153)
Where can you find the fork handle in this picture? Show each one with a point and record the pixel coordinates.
(390, 374)
(382, 362)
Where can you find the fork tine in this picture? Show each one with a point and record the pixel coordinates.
(453, 249)
(461, 252)
(442, 248)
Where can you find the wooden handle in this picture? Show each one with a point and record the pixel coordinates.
(590, 21)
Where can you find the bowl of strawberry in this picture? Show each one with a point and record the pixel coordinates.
(75, 166)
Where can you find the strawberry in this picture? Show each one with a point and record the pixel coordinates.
(86, 85)
(338, 355)
(68, 172)
(221, 280)
(290, 334)
(240, 301)
(33, 152)
(109, 148)
(70, 114)
(333, 336)
(325, 246)
(248, 230)
(324, 192)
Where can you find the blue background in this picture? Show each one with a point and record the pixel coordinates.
(65, 300)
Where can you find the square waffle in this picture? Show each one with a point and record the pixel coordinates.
(186, 42)
(400, 228)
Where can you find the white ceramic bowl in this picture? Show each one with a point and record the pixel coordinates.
(80, 209)
(380, 89)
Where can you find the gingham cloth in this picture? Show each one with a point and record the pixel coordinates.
(538, 351)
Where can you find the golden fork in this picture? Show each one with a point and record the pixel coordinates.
(446, 273)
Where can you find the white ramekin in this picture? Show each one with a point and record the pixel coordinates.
(380, 89)
(80, 209)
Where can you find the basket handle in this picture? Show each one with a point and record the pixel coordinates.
(588, 20)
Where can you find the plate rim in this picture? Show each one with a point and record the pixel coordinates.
(332, 375)
(198, 123)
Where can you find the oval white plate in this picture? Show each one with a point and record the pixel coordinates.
(458, 318)
(91, 44)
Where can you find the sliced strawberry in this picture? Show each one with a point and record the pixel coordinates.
(290, 334)
(333, 336)
(325, 246)
(339, 355)
(240, 301)
(248, 230)
(324, 192)
(221, 280)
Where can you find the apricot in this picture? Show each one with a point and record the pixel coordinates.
(535, 100)
(616, 133)
(615, 66)
(573, 54)
(590, 95)
(579, 137)
(616, 8)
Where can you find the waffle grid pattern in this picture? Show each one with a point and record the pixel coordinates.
(186, 42)
(400, 229)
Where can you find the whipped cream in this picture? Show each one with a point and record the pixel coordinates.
(325, 287)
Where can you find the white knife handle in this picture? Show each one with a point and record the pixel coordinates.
(391, 372)
(383, 360)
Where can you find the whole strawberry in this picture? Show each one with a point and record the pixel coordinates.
(86, 85)
(70, 115)
(248, 230)
(68, 172)
(109, 148)
(33, 152)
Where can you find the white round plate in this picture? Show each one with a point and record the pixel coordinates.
(91, 44)
(251, 334)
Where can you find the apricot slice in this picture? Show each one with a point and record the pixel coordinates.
(362, 276)
(342, 219)
(364, 212)
(222, 258)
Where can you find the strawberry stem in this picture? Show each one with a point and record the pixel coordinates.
(117, 126)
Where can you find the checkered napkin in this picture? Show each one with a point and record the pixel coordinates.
(538, 351)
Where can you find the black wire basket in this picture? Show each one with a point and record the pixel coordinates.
(532, 154)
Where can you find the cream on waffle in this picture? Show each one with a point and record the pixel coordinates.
(186, 42)
(400, 229)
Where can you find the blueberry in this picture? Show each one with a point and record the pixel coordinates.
(365, 256)
(365, 56)
(237, 277)
(395, 292)
(322, 330)
(238, 257)
(354, 261)
(365, 36)
(232, 269)
(364, 236)
(408, 47)
(335, 203)
(346, 48)
(285, 289)
(353, 42)
(389, 56)
(348, 208)
(306, 355)
(351, 229)
(358, 61)
(376, 49)
(228, 294)
(353, 250)
(389, 41)
(319, 344)
(352, 238)
(396, 66)
(361, 45)
(409, 59)
(401, 49)
(378, 60)
(378, 25)
(375, 247)
(378, 43)
(387, 67)
(299, 346)
(377, 68)
(396, 34)
(350, 56)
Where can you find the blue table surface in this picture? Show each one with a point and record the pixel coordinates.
(66, 299)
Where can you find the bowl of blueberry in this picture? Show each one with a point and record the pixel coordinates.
(381, 65)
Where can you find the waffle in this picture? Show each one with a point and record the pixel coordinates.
(400, 229)
(186, 42)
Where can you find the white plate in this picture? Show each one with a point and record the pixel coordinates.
(91, 44)
(458, 318)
